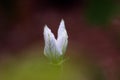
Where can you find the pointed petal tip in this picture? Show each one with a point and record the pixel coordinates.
(62, 21)
(46, 30)
(45, 26)
(62, 24)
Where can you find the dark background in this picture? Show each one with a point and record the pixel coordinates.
(93, 27)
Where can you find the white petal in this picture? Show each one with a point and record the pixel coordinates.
(62, 39)
(47, 34)
(50, 50)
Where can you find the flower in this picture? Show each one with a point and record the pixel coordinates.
(55, 48)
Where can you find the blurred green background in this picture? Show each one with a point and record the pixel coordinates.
(37, 67)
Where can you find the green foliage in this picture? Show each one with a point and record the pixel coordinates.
(40, 69)
(100, 11)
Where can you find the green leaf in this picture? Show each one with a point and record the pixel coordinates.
(100, 11)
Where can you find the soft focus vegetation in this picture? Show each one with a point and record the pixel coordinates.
(101, 11)
(39, 68)
(32, 65)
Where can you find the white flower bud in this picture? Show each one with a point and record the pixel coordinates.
(55, 49)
